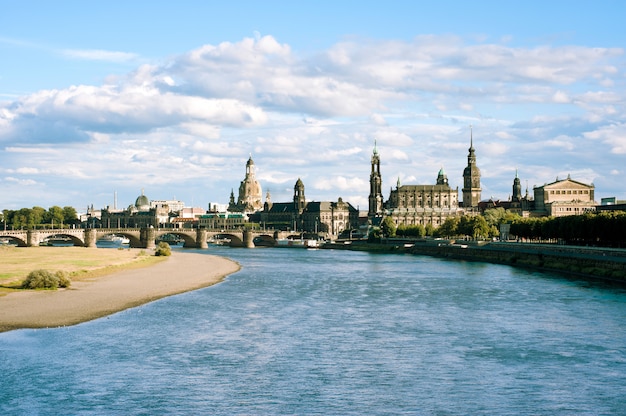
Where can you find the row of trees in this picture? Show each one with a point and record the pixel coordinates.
(38, 217)
(603, 228)
(474, 226)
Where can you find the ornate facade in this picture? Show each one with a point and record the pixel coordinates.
(250, 193)
(564, 197)
(413, 204)
(423, 204)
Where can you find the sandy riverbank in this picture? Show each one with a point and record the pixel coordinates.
(91, 299)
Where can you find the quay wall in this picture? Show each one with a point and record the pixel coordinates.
(595, 263)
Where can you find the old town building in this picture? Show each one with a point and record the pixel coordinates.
(328, 218)
(419, 204)
(423, 204)
(564, 197)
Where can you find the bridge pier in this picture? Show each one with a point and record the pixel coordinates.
(91, 236)
(148, 238)
(32, 238)
(201, 236)
(248, 239)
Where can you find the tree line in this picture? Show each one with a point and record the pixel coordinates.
(38, 217)
(607, 228)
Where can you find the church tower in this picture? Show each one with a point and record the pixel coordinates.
(250, 190)
(517, 189)
(442, 178)
(299, 201)
(268, 202)
(471, 178)
(376, 183)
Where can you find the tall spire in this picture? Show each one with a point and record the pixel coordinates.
(375, 198)
(471, 177)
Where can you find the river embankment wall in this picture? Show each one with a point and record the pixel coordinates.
(588, 262)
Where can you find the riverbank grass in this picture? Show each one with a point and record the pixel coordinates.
(78, 263)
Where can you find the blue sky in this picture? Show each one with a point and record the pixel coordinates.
(104, 97)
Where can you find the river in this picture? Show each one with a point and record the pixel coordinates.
(303, 332)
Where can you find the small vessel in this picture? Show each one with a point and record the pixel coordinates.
(114, 240)
(313, 243)
(287, 242)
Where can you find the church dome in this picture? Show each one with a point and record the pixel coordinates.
(142, 202)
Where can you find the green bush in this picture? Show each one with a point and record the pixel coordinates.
(44, 279)
(163, 249)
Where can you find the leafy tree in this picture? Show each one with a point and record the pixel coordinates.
(69, 215)
(388, 227)
(374, 235)
(37, 216)
(429, 229)
(494, 216)
(449, 228)
(55, 215)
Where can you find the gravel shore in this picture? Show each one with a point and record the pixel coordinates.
(87, 300)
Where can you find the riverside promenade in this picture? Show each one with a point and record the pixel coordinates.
(586, 262)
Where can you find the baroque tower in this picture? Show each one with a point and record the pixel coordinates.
(250, 190)
(471, 178)
(376, 182)
(442, 178)
(299, 201)
(517, 189)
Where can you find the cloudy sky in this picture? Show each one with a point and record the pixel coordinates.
(173, 97)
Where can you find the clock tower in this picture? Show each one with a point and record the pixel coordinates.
(471, 178)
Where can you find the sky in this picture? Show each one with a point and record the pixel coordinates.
(171, 98)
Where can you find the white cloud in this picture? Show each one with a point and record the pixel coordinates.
(192, 121)
(99, 55)
(20, 182)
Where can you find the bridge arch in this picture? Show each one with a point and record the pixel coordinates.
(77, 241)
(264, 240)
(188, 237)
(21, 242)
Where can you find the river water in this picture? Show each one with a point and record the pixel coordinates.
(331, 332)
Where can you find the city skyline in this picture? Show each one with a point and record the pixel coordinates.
(97, 99)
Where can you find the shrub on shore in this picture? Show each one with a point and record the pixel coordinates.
(44, 279)
(163, 249)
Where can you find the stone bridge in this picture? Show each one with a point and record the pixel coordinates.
(147, 237)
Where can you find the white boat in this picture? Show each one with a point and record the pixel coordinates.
(313, 243)
(112, 239)
(286, 242)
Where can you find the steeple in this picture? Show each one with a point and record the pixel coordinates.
(268, 201)
(471, 178)
(442, 178)
(517, 189)
(376, 193)
(299, 201)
